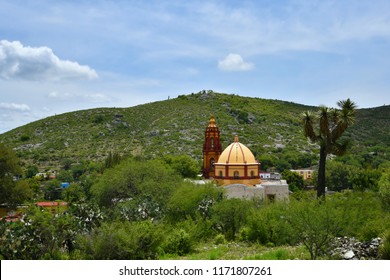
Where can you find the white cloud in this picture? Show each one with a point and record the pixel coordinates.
(73, 97)
(97, 98)
(61, 96)
(14, 106)
(28, 63)
(234, 62)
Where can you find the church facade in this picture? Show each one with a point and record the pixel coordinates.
(236, 169)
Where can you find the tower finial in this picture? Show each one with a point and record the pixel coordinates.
(212, 122)
(236, 138)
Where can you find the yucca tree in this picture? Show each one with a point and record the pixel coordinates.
(331, 125)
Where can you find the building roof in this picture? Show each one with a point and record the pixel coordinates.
(236, 153)
(51, 203)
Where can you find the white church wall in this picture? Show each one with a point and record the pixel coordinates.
(273, 190)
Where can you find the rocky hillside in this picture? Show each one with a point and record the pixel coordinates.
(271, 128)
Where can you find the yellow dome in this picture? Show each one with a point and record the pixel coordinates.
(236, 153)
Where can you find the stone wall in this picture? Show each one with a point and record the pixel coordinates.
(278, 189)
(243, 191)
(273, 190)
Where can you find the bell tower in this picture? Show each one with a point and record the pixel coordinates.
(212, 149)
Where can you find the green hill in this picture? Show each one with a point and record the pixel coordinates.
(271, 128)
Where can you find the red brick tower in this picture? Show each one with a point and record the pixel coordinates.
(212, 149)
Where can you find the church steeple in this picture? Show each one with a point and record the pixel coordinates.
(212, 148)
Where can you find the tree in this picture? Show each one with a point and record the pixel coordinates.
(338, 175)
(315, 224)
(189, 200)
(294, 180)
(230, 215)
(332, 124)
(185, 165)
(133, 179)
(31, 171)
(112, 159)
(52, 190)
(9, 168)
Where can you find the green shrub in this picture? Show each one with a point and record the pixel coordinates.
(230, 216)
(258, 229)
(190, 201)
(384, 190)
(315, 223)
(384, 248)
(219, 239)
(199, 229)
(372, 229)
(184, 165)
(24, 137)
(97, 119)
(216, 253)
(122, 240)
(284, 253)
(132, 178)
(268, 224)
(40, 235)
(278, 254)
(178, 242)
(359, 214)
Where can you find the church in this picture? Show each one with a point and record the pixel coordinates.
(236, 169)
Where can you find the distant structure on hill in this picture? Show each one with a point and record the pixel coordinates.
(236, 169)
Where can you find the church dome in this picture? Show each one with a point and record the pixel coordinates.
(236, 153)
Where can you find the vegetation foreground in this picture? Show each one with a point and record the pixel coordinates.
(122, 213)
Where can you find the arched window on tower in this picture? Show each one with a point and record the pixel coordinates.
(212, 164)
(236, 175)
(252, 174)
(212, 142)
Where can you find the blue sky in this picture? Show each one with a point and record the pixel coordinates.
(60, 56)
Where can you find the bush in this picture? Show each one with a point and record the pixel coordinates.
(38, 235)
(219, 239)
(384, 249)
(279, 254)
(230, 216)
(360, 214)
(354, 214)
(191, 201)
(24, 137)
(258, 229)
(371, 229)
(132, 178)
(184, 165)
(384, 190)
(179, 242)
(269, 224)
(315, 223)
(121, 241)
(294, 180)
(139, 208)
